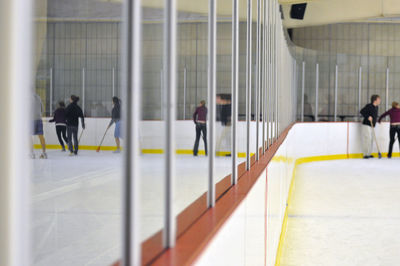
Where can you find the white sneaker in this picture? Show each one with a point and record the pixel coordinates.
(117, 151)
(43, 155)
(33, 156)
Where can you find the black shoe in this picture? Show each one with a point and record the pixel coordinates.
(366, 157)
(389, 156)
(371, 156)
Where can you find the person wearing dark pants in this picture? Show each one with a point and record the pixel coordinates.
(72, 133)
(200, 118)
(394, 129)
(394, 114)
(61, 124)
(72, 113)
(62, 135)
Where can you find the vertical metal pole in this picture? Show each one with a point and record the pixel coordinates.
(359, 89)
(275, 70)
(51, 91)
(184, 92)
(336, 93)
(162, 94)
(212, 62)
(169, 110)
(264, 74)
(248, 80)
(316, 91)
(387, 89)
(83, 90)
(16, 98)
(132, 89)
(277, 57)
(113, 82)
(268, 82)
(303, 75)
(258, 77)
(272, 75)
(235, 85)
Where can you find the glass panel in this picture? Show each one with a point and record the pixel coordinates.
(309, 89)
(192, 134)
(76, 194)
(223, 125)
(241, 125)
(253, 81)
(152, 130)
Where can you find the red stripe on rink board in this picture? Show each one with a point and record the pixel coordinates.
(196, 226)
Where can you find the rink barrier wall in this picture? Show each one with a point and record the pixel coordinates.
(151, 136)
(199, 228)
(305, 143)
(195, 239)
(202, 228)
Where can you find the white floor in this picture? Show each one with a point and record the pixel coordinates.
(345, 212)
(77, 202)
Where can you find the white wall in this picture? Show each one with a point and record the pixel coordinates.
(238, 244)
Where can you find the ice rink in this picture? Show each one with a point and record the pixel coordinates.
(344, 212)
(77, 202)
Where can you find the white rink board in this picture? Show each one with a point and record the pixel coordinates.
(151, 134)
(303, 140)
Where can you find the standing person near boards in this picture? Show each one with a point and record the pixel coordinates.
(200, 120)
(61, 124)
(72, 114)
(116, 118)
(37, 110)
(394, 114)
(370, 114)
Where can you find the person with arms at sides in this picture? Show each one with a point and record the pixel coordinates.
(37, 109)
(200, 120)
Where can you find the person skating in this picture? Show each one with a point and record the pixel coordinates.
(116, 118)
(61, 124)
(370, 114)
(200, 120)
(38, 124)
(72, 114)
(394, 114)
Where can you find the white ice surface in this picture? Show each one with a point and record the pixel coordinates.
(345, 212)
(76, 202)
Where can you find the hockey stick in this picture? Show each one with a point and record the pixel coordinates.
(101, 142)
(377, 146)
(80, 136)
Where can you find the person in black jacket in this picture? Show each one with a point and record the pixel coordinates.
(61, 124)
(116, 118)
(370, 114)
(72, 114)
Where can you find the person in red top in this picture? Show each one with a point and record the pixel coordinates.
(200, 118)
(394, 114)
